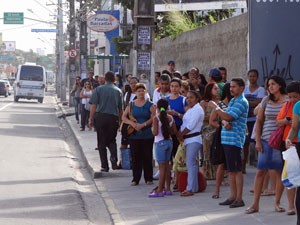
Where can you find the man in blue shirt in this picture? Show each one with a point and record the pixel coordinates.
(234, 121)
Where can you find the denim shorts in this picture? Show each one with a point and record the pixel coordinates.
(163, 150)
(269, 158)
(233, 158)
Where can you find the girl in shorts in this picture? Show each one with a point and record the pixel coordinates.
(163, 127)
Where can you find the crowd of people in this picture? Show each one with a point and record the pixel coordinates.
(197, 113)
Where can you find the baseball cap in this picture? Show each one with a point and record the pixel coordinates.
(171, 62)
(214, 72)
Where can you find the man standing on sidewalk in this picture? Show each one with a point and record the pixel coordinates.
(234, 121)
(106, 101)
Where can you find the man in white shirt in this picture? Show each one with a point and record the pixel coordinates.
(163, 91)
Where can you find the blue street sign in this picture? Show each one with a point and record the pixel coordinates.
(44, 30)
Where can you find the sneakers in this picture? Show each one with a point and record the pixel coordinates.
(237, 204)
(104, 169)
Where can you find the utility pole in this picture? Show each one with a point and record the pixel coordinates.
(83, 39)
(72, 41)
(61, 66)
(143, 39)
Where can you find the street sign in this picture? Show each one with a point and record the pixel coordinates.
(13, 18)
(44, 30)
(72, 53)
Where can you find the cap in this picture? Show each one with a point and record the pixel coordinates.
(214, 72)
(171, 62)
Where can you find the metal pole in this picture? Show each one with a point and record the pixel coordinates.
(72, 40)
(61, 52)
(83, 40)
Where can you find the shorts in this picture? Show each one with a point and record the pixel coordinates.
(269, 158)
(233, 158)
(250, 126)
(163, 150)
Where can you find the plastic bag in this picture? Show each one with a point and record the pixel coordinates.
(290, 176)
(180, 159)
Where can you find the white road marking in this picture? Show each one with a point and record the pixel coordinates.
(6, 106)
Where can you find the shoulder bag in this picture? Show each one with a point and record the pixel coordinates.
(275, 139)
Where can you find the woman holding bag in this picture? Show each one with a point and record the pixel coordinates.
(284, 119)
(85, 96)
(268, 158)
(289, 142)
(141, 140)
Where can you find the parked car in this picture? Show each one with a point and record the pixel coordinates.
(10, 88)
(3, 88)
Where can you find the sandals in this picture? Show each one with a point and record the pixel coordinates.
(186, 193)
(268, 193)
(155, 194)
(291, 212)
(251, 210)
(215, 196)
(279, 209)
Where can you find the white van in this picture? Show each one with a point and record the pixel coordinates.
(30, 82)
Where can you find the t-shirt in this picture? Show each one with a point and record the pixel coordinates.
(270, 113)
(259, 93)
(178, 105)
(142, 114)
(238, 109)
(286, 112)
(296, 110)
(157, 94)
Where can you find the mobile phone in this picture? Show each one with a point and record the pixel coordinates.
(288, 118)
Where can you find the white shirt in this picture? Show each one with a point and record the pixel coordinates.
(158, 95)
(193, 120)
(85, 100)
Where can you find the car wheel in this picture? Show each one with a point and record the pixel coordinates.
(16, 99)
(40, 100)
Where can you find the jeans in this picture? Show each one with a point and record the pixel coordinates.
(269, 159)
(163, 150)
(107, 126)
(84, 116)
(77, 105)
(192, 151)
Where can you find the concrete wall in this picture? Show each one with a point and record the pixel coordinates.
(221, 44)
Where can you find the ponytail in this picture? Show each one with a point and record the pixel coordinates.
(162, 105)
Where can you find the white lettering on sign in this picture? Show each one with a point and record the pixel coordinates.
(102, 22)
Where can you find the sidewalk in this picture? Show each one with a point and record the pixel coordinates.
(130, 205)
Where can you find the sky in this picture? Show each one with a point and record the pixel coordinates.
(44, 10)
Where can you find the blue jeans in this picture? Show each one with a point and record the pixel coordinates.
(77, 105)
(192, 151)
(163, 150)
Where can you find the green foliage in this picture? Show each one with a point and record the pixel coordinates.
(90, 64)
(123, 44)
(173, 23)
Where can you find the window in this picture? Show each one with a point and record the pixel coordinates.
(32, 73)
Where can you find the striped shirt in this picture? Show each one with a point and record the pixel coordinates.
(238, 109)
(270, 114)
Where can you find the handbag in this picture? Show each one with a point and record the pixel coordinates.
(290, 176)
(216, 150)
(276, 136)
(127, 129)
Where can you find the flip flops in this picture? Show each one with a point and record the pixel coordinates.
(186, 193)
(279, 209)
(251, 210)
(155, 194)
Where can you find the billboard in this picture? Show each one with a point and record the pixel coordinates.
(274, 34)
(8, 46)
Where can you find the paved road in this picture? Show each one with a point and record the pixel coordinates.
(130, 205)
(42, 179)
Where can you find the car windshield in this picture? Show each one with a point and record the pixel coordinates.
(32, 73)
